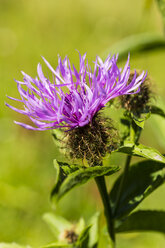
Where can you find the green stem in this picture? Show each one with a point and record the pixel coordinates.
(100, 181)
(135, 132)
(123, 179)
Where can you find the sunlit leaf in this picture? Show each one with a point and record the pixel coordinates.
(141, 121)
(94, 230)
(104, 240)
(62, 170)
(142, 179)
(142, 151)
(80, 176)
(83, 238)
(146, 220)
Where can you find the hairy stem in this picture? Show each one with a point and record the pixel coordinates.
(100, 181)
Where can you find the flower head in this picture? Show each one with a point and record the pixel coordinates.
(138, 103)
(75, 96)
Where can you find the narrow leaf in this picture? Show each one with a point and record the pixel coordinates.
(62, 171)
(94, 230)
(146, 220)
(104, 239)
(157, 111)
(81, 176)
(141, 121)
(83, 238)
(142, 151)
(142, 179)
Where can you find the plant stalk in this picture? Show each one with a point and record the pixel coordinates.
(135, 133)
(100, 181)
(123, 179)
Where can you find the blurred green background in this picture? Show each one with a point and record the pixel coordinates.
(29, 29)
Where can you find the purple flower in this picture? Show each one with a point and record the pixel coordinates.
(74, 96)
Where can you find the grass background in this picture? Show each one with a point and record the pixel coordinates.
(29, 29)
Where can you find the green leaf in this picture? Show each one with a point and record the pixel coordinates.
(57, 224)
(141, 121)
(136, 43)
(141, 151)
(62, 171)
(104, 239)
(80, 225)
(142, 179)
(146, 220)
(157, 111)
(58, 139)
(81, 176)
(83, 238)
(94, 230)
(161, 4)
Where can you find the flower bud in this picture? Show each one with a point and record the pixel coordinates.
(137, 103)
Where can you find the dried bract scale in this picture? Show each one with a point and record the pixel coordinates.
(70, 236)
(137, 103)
(75, 96)
(92, 141)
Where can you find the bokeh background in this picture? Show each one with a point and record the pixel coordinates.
(29, 29)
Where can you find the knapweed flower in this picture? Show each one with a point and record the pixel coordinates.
(137, 103)
(74, 96)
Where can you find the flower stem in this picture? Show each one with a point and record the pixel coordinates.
(135, 132)
(120, 191)
(100, 181)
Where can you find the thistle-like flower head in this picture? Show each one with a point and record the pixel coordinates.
(74, 96)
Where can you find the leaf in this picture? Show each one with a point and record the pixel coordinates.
(140, 121)
(141, 151)
(104, 239)
(81, 176)
(152, 109)
(83, 238)
(62, 171)
(58, 139)
(80, 225)
(156, 110)
(124, 128)
(136, 43)
(57, 224)
(161, 4)
(142, 179)
(144, 220)
(94, 230)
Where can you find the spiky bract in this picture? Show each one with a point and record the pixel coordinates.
(92, 141)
